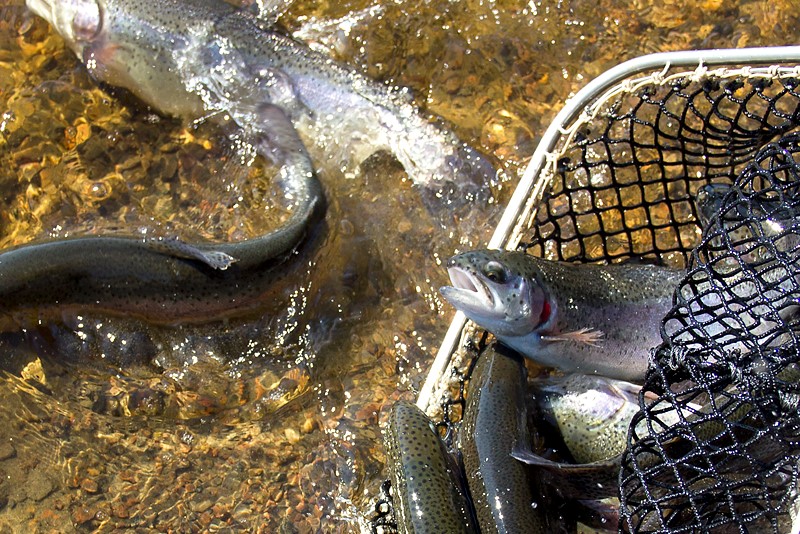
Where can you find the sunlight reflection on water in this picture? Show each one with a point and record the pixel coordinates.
(272, 421)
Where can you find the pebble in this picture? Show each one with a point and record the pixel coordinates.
(308, 426)
(119, 510)
(82, 514)
(202, 506)
(292, 436)
(89, 486)
(38, 486)
(242, 514)
(7, 451)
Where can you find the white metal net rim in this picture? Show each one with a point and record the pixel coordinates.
(582, 108)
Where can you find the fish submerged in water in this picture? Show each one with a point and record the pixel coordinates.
(205, 58)
(160, 281)
(165, 281)
(592, 319)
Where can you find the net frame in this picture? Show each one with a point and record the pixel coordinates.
(581, 109)
(629, 78)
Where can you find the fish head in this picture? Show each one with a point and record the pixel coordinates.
(499, 292)
(77, 21)
(132, 44)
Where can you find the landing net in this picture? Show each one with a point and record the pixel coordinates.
(615, 178)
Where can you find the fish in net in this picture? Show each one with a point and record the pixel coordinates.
(623, 179)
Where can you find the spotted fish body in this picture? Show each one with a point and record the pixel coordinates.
(164, 282)
(204, 57)
(426, 487)
(585, 318)
(161, 281)
(494, 423)
(593, 413)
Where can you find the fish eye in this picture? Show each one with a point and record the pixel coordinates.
(87, 21)
(495, 272)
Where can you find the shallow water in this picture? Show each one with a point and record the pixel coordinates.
(272, 423)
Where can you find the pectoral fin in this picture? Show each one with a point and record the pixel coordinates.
(597, 480)
(590, 336)
(180, 249)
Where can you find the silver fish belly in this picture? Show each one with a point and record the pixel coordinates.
(593, 413)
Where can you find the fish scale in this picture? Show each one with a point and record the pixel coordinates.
(593, 413)
(494, 421)
(426, 486)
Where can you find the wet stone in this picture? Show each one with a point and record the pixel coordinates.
(89, 486)
(82, 514)
(39, 486)
(7, 451)
(242, 514)
(292, 436)
(202, 506)
(119, 510)
(4, 493)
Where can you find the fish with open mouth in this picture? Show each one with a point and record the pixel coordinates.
(586, 318)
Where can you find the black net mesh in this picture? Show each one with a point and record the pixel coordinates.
(729, 369)
(625, 186)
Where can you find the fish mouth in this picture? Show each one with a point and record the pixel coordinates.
(468, 293)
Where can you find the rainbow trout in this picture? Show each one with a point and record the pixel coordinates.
(203, 59)
(592, 413)
(427, 486)
(591, 319)
(206, 58)
(164, 281)
(494, 424)
(749, 280)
